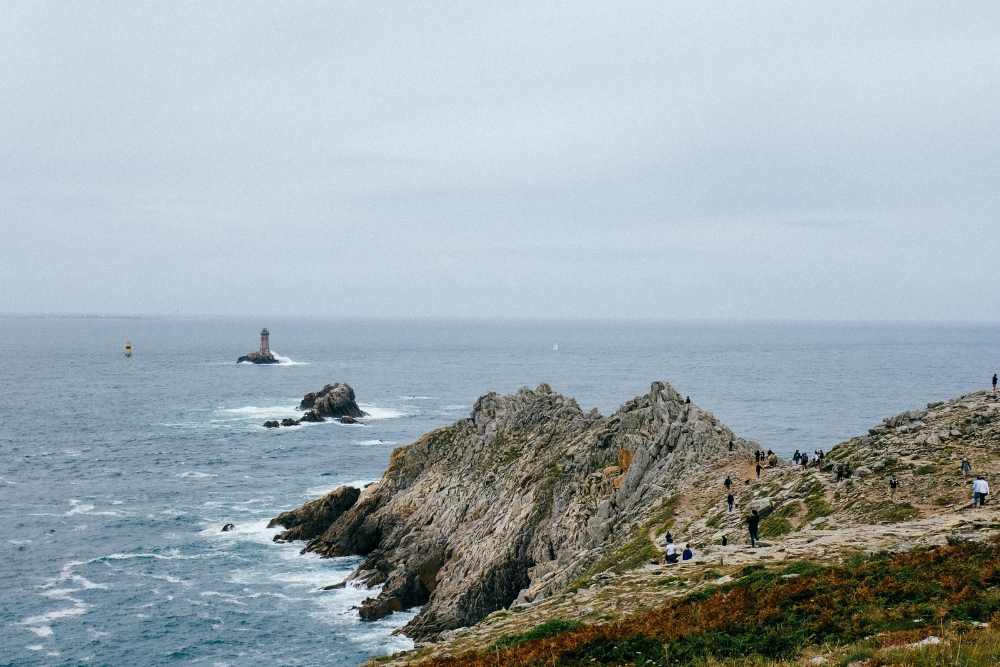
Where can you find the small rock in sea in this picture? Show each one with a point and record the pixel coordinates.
(333, 587)
(271, 424)
(347, 420)
(228, 527)
(288, 421)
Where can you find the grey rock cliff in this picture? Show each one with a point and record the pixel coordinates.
(513, 502)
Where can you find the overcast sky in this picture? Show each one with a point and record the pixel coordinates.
(578, 159)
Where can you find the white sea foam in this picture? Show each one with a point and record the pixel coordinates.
(259, 412)
(41, 624)
(285, 361)
(376, 412)
(78, 507)
(418, 398)
(194, 474)
(456, 407)
(373, 443)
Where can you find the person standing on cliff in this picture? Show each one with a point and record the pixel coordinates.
(966, 468)
(980, 489)
(994, 384)
(753, 523)
(728, 483)
(796, 456)
(893, 485)
(758, 470)
(730, 500)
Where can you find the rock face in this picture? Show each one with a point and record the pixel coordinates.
(258, 358)
(333, 400)
(516, 500)
(314, 517)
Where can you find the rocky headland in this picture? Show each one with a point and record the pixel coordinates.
(516, 501)
(534, 514)
(333, 401)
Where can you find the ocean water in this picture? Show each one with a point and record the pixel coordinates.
(117, 474)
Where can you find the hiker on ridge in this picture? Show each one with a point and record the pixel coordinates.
(728, 483)
(893, 485)
(753, 523)
(730, 500)
(966, 468)
(980, 489)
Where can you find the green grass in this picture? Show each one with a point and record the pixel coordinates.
(860, 609)
(551, 628)
(816, 507)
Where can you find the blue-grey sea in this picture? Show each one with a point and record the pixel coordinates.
(117, 474)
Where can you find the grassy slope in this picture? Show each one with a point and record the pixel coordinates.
(771, 615)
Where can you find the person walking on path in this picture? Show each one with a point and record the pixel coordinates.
(756, 456)
(758, 470)
(728, 483)
(796, 456)
(994, 384)
(753, 523)
(980, 489)
(730, 500)
(966, 468)
(893, 485)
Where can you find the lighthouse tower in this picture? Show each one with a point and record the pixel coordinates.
(265, 343)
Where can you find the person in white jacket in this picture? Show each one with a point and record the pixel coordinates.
(980, 489)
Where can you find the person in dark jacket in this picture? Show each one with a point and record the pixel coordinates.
(753, 524)
(728, 483)
(730, 500)
(687, 554)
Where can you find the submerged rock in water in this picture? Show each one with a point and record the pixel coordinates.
(315, 516)
(271, 423)
(515, 501)
(258, 358)
(333, 400)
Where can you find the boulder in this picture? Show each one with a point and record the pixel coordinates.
(333, 400)
(762, 505)
(271, 424)
(347, 420)
(311, 416)
(313, 518)
(861, 472)
(288, 421)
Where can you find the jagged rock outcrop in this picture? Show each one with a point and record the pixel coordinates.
(258, 358)
(333, 400)
(516, 500)
(315, 516)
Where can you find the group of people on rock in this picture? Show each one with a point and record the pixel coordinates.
(671, 550)
(802, 458)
